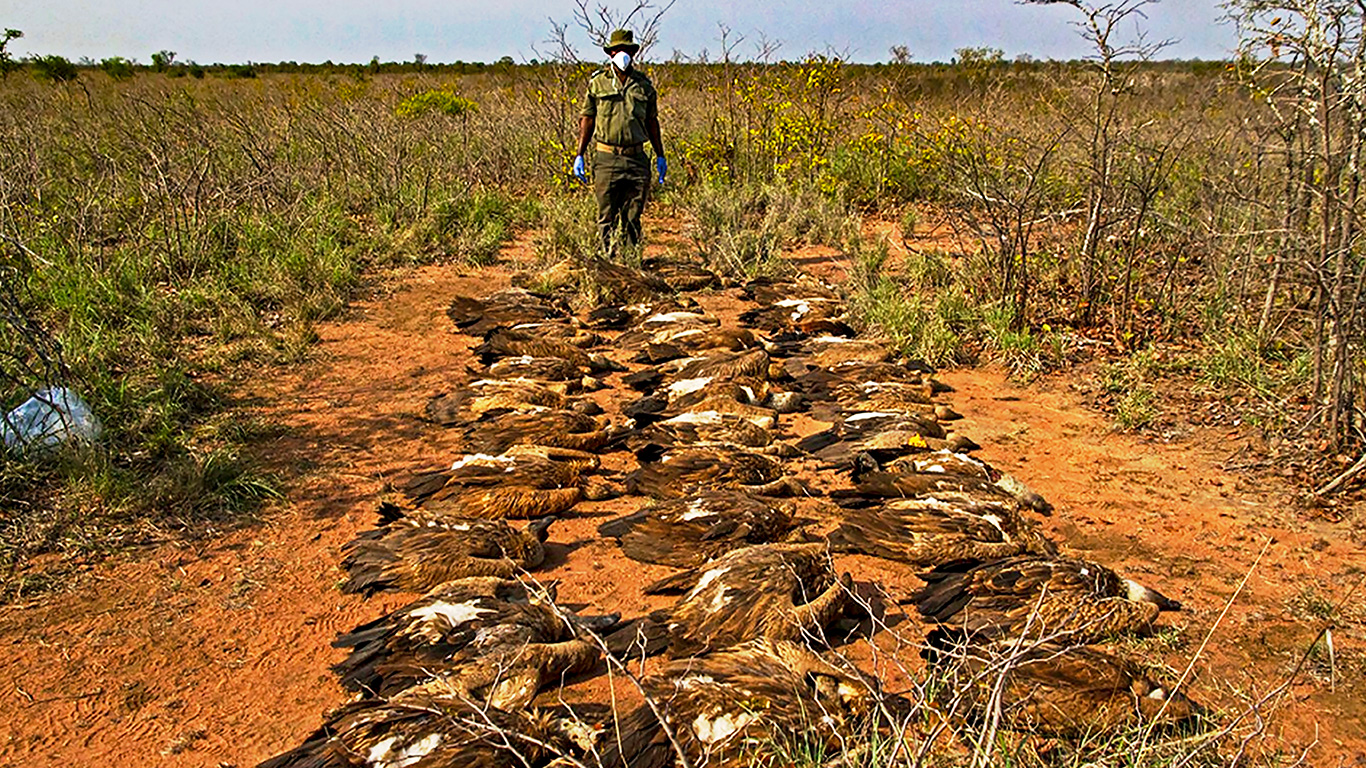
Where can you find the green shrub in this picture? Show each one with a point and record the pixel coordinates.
(876, 177)
(439, 100)
(1136, 408)
(118, 68)
(472, 227)
(482, 222)
(1235, 360)
(56, 68)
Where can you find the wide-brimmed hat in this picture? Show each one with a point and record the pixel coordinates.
(624, 40)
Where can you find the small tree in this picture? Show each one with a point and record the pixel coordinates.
(1115, 61)
(978, 64)
(978, 58)
(162, 60)
(1003, 185)
(7, 62)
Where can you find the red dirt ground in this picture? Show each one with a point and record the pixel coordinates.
(218, 653)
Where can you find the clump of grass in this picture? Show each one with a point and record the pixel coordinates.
(925, 325)
(1137, 408)
(729, 231)
(567, 228)
(472, 227)
(1234, 360)
(927, 312)
(1015, 346)
(910, 219)
(802, 216)
(928, 270)
(1130, 383)
(742, 230)
(480, 223)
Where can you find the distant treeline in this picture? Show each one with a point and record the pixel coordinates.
(61, 68)
(120, 68)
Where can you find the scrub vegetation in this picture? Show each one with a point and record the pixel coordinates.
(177, 227)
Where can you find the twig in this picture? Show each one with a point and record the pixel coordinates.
(1171, 695)
(74, 697)
(1343, 478)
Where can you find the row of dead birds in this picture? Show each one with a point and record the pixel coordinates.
(452, 678)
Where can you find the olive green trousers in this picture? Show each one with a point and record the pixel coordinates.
(621, 184)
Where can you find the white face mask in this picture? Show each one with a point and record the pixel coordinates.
(622, 59)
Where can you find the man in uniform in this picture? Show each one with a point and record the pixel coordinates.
(620, 113)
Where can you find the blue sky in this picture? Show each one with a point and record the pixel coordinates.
(450, 30)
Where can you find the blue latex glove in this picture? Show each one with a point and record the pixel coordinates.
(662, 167)
(579, 170)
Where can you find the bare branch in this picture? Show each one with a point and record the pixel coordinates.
(599, 20)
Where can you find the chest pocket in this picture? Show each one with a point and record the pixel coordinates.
(613, 107)
(637, 103)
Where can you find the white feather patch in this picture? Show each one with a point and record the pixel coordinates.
(696, 508)
(455, 613)
(868, 415)
(706, 579)
(996, 521)
(482, 458)
(688, 386)
(692, 681)
(696, 417)
(383, 754)
(670, 317)
(710, 731)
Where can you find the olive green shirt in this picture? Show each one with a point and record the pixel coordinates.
(620, 110)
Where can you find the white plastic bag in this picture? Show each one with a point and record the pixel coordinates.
(52, 416)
